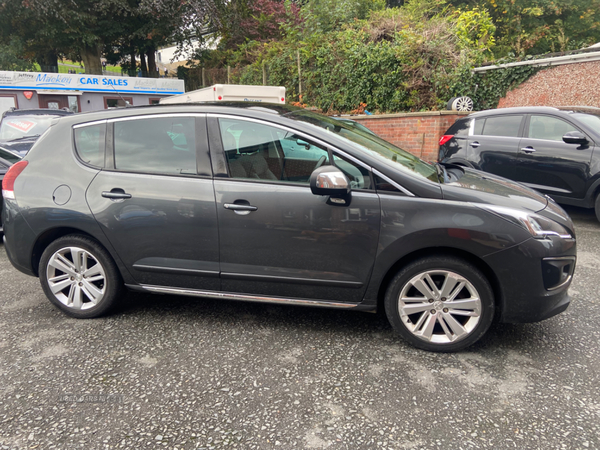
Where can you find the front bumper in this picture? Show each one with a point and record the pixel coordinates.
(534, 278)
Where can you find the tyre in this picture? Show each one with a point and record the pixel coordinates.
(597, 207)
(79, 277)
(450, 103)
(462, 104)
(440, 304)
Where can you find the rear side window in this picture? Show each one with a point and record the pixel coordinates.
(165, 145)
(507, 126)
(460, 128)
(89, 144)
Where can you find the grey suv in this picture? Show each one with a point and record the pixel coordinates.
(278, 204)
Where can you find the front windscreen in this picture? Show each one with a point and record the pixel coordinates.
(591, 120)
(21, 126)
(370, 144)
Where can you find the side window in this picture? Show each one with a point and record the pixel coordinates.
(478, 127)
(89, 144)
(164, 145)
(384, 185)
(264, 152)
(502, 126)
(359, 177)
(549, 128)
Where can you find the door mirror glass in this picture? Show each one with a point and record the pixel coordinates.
(575, 137)
(329, 180)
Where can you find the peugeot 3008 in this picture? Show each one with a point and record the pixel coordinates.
(282, 205)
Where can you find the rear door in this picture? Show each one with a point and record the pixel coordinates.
(549, 164)
(155, 201)
(494, 143)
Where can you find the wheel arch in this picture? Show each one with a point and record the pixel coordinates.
(444, 251)
(49, 236)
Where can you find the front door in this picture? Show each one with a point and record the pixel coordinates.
(276, 237)
(53, 101)
(549, 164)
(163, 226)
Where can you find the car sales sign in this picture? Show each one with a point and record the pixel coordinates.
(89, 83)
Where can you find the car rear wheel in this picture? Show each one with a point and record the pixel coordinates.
(440, 303)
(597, 207)
(79, 277)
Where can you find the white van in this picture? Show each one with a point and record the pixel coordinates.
(230, 92)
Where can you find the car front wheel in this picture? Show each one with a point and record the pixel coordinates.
(440, 303)
(597, 207)
(80, 277)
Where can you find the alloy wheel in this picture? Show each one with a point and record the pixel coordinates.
(76, 278)
(439, 306)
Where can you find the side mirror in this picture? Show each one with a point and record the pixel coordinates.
(329, 180)
(302, 143)
(575, 137)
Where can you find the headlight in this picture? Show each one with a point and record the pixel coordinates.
(540, 227)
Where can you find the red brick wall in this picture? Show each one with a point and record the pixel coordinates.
(418, 133)
(567, 85)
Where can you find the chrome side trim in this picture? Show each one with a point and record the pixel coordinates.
(567, 280)
(155, 116)
(245, 297)
(393, 183)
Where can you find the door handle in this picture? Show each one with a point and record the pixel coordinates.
(528, 149)
(475, 144)
(116, 194)
(238, 207)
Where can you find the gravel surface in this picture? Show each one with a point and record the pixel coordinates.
(179, 373)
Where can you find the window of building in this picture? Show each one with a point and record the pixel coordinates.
(117, 102)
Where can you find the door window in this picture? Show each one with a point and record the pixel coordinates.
(164, 145)
(89, 144)
(549, 128)
(502, 126)
(360, 178)
(263, 152)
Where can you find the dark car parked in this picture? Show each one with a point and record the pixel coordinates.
(277, 204)
(553, 150)
(20, 128)
(7, 159)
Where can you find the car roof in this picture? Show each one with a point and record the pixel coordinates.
(37, 111)
(259, 110)
(536, 109)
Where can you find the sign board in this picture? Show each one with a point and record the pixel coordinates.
(89, 83)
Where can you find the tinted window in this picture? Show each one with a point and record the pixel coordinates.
(478, 126)
(549, 128)
(384, 185)
(8, 156)
(502, 126)
(89, 144)
(156, 145)
(263, 152)
(460, 128)
(21, 125)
